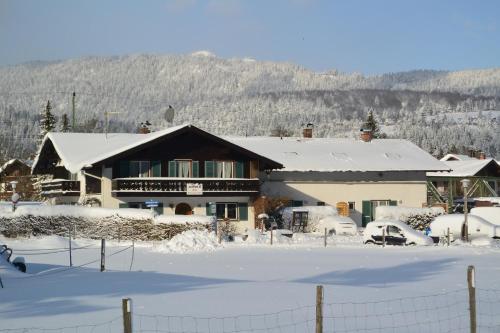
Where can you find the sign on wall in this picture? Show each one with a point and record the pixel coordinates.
(194, 189)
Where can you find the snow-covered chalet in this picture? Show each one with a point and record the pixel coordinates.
(188, 170)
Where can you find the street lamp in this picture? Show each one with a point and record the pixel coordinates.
(15, 196)
(465, 229)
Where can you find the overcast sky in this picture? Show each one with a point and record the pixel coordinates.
(370, 36)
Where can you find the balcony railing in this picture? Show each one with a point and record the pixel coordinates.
(60, 187)
(183, 186)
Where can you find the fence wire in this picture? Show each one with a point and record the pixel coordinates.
(444, 312)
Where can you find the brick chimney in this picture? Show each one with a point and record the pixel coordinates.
(482, 155)
(307, 132)
(366, 135)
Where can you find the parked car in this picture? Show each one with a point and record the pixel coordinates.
(477, 226)
(396, 233)
(337, 225)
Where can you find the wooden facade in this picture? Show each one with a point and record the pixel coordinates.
(16, 170)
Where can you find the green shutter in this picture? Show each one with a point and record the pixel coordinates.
(171, 169)
(196, 169)
(240, 170)
(156, 168)
(393, 203)
(243, 211)
(208, 210)
(209, 169)
(123, 169)
(123, 205)
(367, 212)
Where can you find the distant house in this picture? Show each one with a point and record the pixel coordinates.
(184, 169)
(18, 171)
(483, 172)
(362, 173)
(187, 170)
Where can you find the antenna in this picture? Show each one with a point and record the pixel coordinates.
(106, 117)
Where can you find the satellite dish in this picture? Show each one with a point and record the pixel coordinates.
(169, 114)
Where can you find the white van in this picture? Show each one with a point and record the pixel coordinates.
(490, 214)
(477, 226)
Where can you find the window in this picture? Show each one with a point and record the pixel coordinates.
(183, 168)
(352, 205)
(139, 169)
(226, 210)
(320, 203)
(224, 169)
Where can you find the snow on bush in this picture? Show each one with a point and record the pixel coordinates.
(95, 223)
(188, 242)
(315, 214)
(417, 218)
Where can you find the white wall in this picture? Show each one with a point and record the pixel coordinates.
(409, 194)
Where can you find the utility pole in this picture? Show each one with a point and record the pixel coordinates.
(73, 120)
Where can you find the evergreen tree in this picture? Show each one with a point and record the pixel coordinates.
(372, 124)
(47, 121)
(64, 123)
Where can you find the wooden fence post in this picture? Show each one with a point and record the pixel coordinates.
(103, 254)
(127, 315)
(325, 236)
(70, 249)
(319, 309)
(448, 237)
(472, 298)
(383, 237)
(271, 235)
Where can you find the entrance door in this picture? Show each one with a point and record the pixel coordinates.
(183, 209)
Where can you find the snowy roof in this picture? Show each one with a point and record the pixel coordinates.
(9, 163)
(330, 154)
(6, 164)
(457, 157)
(80, 150)
(465, 168)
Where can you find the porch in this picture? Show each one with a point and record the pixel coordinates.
(162, 186)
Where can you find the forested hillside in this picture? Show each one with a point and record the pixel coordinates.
(440, 111)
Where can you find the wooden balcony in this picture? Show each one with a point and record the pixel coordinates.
(60, 187)
(169, 187)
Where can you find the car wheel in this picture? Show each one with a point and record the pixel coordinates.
(413, 244)
(369, 242)
(332, 232)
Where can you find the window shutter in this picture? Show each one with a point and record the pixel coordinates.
(123, 205)
(196, 169)
(171, 169)
(208, 211)
(366, 212)
(123, 169)
(159, 209)
(393, 203)
(243, 211)
(240, 168)
(156, 168)
(209, 169)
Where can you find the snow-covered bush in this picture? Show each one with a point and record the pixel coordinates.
(417, 218)
(421, 221)
(96, 223)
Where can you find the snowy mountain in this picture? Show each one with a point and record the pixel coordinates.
(248, 97)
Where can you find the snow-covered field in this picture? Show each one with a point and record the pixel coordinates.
(194, 284)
